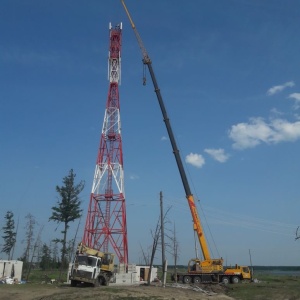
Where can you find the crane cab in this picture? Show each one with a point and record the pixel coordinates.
(205, 266)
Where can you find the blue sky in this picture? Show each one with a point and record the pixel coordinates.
(229, 75)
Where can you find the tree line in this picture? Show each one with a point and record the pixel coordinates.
(58, 253)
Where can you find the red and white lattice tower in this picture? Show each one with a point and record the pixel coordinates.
(106, 218)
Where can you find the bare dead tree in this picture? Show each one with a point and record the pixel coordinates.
(74, 241)
(13, 249)
(175, 252)
(29, 236)
(155, 237)
(35, 247)
(164, 245)
(55, 255)
(146, 260)
(297, 234)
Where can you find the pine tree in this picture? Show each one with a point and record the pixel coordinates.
(68, 208)
(9, 234)
(46, 259)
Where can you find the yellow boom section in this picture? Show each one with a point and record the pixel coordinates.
(198, 227)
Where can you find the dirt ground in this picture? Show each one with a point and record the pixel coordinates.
(170, 292)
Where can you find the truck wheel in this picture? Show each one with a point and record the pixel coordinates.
(73, 283)
(106, 281)
(98, 282)
(225, 280)
(187, 279)
(235, 279)
(197, 279)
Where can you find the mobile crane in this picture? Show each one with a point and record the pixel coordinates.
(208, 269)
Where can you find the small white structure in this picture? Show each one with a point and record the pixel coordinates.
(135, 275)
(11, 268)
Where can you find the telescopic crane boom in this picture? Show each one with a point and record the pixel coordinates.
(207, 264)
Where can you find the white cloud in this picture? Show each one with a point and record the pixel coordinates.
(278, 88)
(217, 154)
(163, 138)
(134, 177)
(285, 131)
(296, 97)
(257, 131)
(275, 112)
(195, 159)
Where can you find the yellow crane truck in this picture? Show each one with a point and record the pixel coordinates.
(91, 267)
(195, 274)
(209, 269)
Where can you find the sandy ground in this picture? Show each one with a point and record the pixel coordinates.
(170, 292)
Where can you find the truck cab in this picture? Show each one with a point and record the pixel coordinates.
(85, 269)
(91, 266)
(85, 261)
(238, 273)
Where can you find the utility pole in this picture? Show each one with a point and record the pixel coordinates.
(162, 239)
(251, 265)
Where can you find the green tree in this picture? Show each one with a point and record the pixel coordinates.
(46, 259)
(9, 234)
(55, 256)
(67, 209)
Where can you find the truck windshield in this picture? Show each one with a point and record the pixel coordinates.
(86, 260)
(82, 260)
(91, 261)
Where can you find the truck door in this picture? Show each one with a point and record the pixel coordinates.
(98, 267)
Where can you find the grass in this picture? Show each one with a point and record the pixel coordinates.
(275, 287)
(40, 276)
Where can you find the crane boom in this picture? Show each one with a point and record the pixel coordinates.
(208, 262)
(140, 42)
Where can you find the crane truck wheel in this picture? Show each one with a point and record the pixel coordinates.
(235, 279)
(106, 281)
(98, 282)
(187, 279)
(225, 280)
(197, 280)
